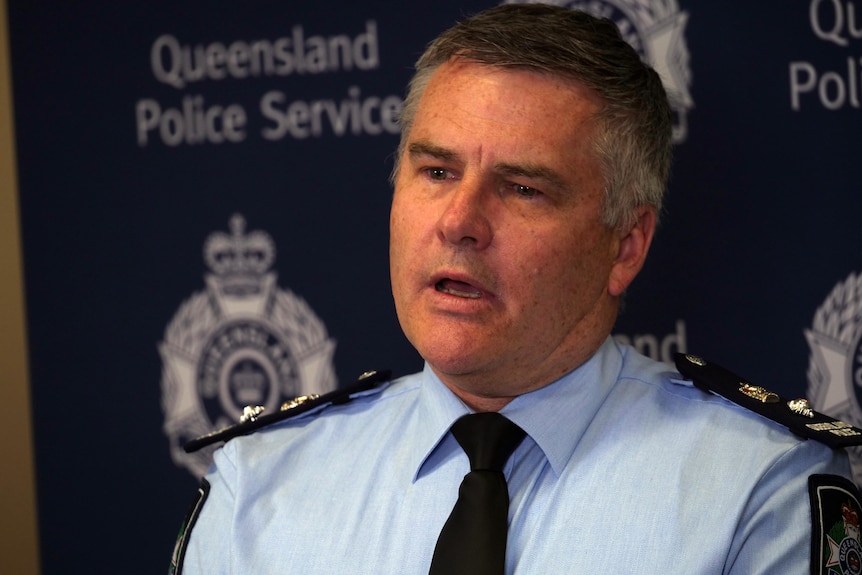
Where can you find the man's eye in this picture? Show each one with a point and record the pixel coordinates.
(437, 173)
(526, 191)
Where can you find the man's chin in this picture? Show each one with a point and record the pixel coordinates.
(457, 361)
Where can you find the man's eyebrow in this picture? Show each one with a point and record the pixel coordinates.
(533, 171)
(422, 148)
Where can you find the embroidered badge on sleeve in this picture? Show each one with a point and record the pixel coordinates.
(835, 511)
(186, 528)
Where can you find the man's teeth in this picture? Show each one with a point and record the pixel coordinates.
(459, 289)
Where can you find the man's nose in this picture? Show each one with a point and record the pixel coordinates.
(465, 220)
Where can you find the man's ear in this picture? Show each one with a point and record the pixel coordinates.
(633, 245)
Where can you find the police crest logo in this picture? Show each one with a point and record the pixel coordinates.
(242, 341)
(835, 362)
(835, 510)
(655, 29)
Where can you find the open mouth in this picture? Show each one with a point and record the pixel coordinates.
(456, 288)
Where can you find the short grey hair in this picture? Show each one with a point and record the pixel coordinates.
(633, 141)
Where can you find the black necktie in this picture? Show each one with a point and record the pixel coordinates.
(473, 540)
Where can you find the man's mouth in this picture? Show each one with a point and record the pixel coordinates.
(456, 288)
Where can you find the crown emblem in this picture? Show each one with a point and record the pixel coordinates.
(239, 260)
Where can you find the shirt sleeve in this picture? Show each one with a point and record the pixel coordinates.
(208, 550)
(775, 528)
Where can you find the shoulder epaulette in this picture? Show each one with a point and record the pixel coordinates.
(796, 414)
(253, 417)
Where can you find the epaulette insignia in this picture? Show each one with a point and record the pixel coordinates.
(253, 417)
(795, 414)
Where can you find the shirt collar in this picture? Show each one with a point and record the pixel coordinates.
(557, 415)
(438, 409)
(554, 416)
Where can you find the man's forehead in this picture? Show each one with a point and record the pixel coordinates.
(516, 109)
(508, 95)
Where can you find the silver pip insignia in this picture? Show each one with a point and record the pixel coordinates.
(801, 407)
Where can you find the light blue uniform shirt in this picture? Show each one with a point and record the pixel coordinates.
(626, 469)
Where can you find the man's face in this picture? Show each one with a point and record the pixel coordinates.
(503, 274)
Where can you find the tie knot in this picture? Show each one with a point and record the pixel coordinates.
(488, 439)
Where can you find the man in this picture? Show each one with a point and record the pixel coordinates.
(534, 154)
